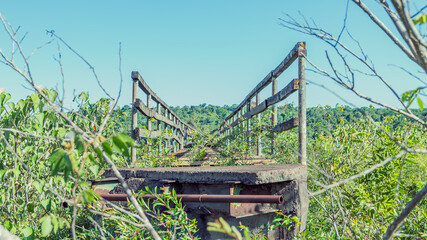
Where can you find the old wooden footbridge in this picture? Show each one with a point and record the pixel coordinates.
(249, 194)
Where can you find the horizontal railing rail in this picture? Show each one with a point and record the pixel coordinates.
(163, 114)
(243, 114)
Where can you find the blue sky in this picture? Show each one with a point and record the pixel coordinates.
(190, 52)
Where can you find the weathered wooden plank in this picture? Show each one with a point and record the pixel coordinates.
(152, 114)
(258, 109)
(144, 86)
(284, 126)
(302, 114)
(145, 133)
(134, 123)
(284, 93)
(289, 59)
(235, 123)
(139, 132)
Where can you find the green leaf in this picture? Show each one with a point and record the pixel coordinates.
(88, 196)
(421, 19)
(55, 224)
(51, 94)
(99, 153)
(4, 97)
(225, 225)
(30, 207)
(8, 225)
(11, 105)
(21, 104)
(92, 158)
(46, 226)
(126, 139)
(36, 101)
(38, 186)
(84, 96)
(28, 233)
(47, 204)
(80, 144)
(68, 166)
(107, 148)
(94, 169)
(236, 232)
(420, 103)
(120, 146)
(40, 117)
(56, 160)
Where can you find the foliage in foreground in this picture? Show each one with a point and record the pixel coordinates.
(61, 161)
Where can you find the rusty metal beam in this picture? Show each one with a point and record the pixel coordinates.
(207, 198)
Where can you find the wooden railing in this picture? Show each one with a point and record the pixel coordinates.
(245, 110)
(163, 115)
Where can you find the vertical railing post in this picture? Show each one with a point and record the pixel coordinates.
(274, 116)
(159, 127)
(174, 133)
(258, 147)
(302, 130)
(148, 118)
(248, 128)
(166, 128)
(134, 124)
(182, 135)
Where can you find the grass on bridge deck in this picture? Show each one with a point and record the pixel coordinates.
(213, 158)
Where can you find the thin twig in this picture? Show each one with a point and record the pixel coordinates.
(361, 174)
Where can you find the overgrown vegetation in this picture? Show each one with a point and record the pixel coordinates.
(49, 156)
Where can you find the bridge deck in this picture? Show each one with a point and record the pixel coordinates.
(213, 158)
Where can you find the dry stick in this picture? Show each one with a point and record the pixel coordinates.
(414, 36)
(118, 95)
(28, 134)
(107, 117)
(131, 197)
(122, 210)
(59, 60)
(404, 213)
(38, 48)
(116, 218)
(29, 78)
(332, 215)
(369, 66)
(73, 222)
(327, 38)
(409, 150)
(98, 227)
(410, 115)
(361, 174)
(408, 72)
(84, 60)
(383, 27)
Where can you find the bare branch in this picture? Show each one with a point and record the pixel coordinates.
(383, 27)
(83, 59)
(28, 134)
(361, 174)
(404, 213)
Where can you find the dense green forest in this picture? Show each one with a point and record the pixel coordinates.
(207, 117)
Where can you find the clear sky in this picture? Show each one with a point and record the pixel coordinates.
(190, 52)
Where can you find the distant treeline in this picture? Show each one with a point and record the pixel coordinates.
(207, 118)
